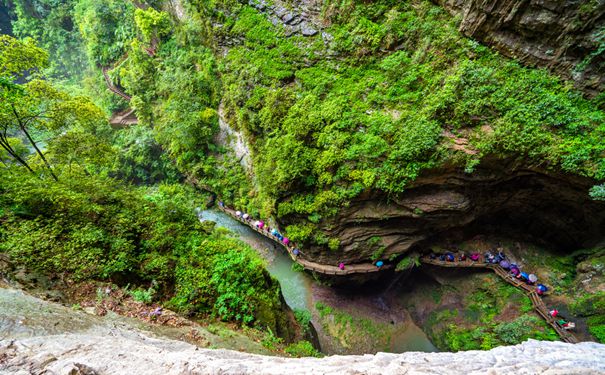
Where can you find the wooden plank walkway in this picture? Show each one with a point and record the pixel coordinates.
(307, 264)
(113, 87)
(535, 299)
(123, 119)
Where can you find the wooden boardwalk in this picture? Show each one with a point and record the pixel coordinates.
(121, 119)
(325, 269)
(113, 88)
(536, 301)
(362, 268)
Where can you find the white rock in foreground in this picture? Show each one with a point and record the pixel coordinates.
(131, 352)
(40, 337)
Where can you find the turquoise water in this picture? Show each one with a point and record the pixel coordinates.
(295, 286)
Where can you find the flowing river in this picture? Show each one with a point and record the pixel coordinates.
(297, 287)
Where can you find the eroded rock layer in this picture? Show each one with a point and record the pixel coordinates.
(499, 196)
(565, 36)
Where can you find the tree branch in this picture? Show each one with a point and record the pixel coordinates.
(33, 143)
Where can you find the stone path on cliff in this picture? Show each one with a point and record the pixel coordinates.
(307, 264)
(536, 301)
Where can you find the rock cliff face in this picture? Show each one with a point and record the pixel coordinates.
(500, 197)
(567, 36)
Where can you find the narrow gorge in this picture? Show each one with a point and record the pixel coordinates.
(268, 186)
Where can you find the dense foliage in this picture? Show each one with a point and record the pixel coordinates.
(381, 96)
(368, 104)
(63, 213)
(96, 228)
(457, 329)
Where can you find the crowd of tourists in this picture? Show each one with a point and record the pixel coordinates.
(261, 225)
(500, 259)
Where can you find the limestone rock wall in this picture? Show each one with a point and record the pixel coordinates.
(500, 196)
(567, 36)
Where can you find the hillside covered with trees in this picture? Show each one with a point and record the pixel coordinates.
(339, 104)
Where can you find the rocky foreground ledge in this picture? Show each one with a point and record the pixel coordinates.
(41, 337)
(131, 352)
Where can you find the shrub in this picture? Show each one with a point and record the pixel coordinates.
(303, 317)
(302, 349)
(141, 295)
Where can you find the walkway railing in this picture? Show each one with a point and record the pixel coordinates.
(535, 299)
(307, 264)
(113, 87)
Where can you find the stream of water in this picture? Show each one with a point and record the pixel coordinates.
(297, 286)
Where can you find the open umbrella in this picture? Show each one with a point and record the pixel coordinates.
(524, 275)
(532, 278)
(246, 216)
(504, 264)
(543, 288)
(274, 232)
(296, 252)
(514, 270)
(261, 224)
(238, 213)
(380, 263)
(286, 240)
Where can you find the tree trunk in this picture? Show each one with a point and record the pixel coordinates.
(5, 145)
(33, 143)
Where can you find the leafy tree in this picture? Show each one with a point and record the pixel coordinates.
(35, 107)
(107, 27)
(152, 24)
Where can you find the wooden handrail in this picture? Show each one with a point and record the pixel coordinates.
(307, 264)
(111, 86)
(535, 299)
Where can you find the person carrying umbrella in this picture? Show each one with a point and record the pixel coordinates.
(541, 289)
(515, 270)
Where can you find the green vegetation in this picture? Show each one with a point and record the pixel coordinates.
(303, 317)
(270, 341)
(592, 306)
(368, 105)
(302, 349)
(454, 330)
(325, 129)
(63, 213)
(407, 262)
(353, 331)
(141, 295)
(364, 108)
